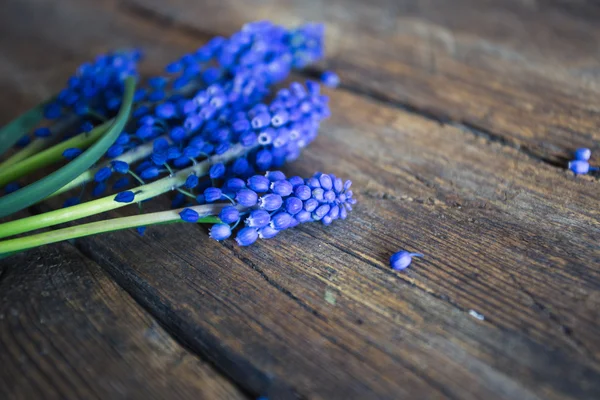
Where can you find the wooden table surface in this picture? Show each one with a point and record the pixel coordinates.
(454, 120)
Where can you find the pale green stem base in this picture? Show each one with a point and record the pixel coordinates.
(39, 143)
(207, 214)
(98, 206)
(52, 155)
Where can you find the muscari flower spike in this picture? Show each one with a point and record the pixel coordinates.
(323, 198)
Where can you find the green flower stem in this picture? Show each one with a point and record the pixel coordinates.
(38, 144)
(52, 155)
(206, 212)
(130, 157)
(44, 187)
(108, 203)
(17, 128)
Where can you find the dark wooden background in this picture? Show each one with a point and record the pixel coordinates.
(454, 119)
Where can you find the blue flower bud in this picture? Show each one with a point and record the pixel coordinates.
(240, 166)
(264, 159)
(258, 219)
(402, 259)
(303, 192)
(303, 216)
(282, 188)
(71, 153)
(235, 184)
(281, 221)
(141, 230)
(42, 132)
(150, 172)
(103, 174)
(246, 197)
(160, 144)
(280, 118)
(159, 157)
(321, 211)
(189, 215)
(125, 197)
(177, 134)
(579, 167)
(330, 79)
(311, 204)
(313, 183)
(24, 141)
(261, 120)
(248, 139)
(325, 181)
(120, 167)
(267, 232)
(173, 153)
(166, 110)
(296, 181)
(229, 215)
(115, 151)
(220, 231)
(317, 194)
(191, 181)
(174, 67)
(275, 175)
(343, 212)
(123, 139)
(583, 154)
(144, 132)
(212, 194)
(217, 171)
(270, 202)
(293, 205)
(338, 185)
(266, 137)
(246, 236)
(258, 183)
(329, 196)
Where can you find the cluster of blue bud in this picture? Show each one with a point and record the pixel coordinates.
(271, 203)
(96, 87)
(580, 165)
(211, 100)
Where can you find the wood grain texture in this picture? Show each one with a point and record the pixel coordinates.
(523, 72)
(67, 331)
(316, 312)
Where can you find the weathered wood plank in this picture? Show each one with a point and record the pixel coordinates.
(523, 72)
(68, 331)
(511, 238)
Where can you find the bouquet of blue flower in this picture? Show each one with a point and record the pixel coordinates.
(211, 131)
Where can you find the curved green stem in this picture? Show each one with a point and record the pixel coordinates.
(207, 213)
(98, 206)
(31, 194)
(51, 155)
(38, 144)
(18, 127)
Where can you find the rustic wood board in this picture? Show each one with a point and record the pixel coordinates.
(523, 72)
(67, 330)
(458, 161)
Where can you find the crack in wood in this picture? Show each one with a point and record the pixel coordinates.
(273, 283)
